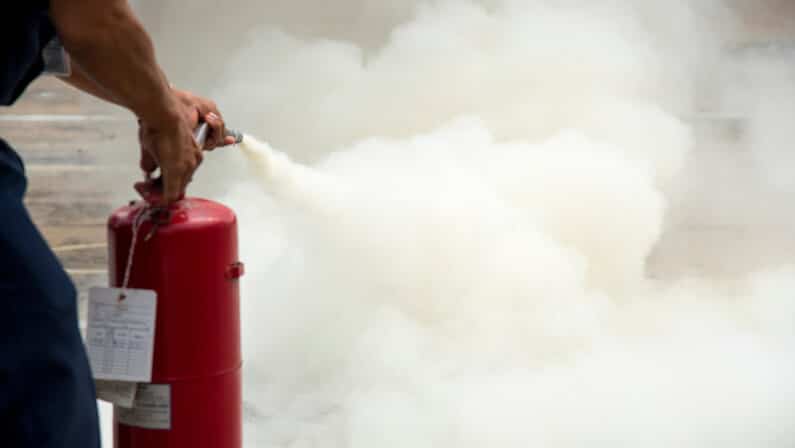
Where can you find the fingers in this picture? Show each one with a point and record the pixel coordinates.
(179, 156)
(209, 113)
(204, 105)
(147, 162)
(195, 117)
(177, 178)
(217, 135)
(171, 146)
(173, 187)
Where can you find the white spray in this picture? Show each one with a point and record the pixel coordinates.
(464, 264)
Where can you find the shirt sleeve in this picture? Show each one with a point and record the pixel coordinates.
(27, 30)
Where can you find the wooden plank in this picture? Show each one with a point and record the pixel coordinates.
(58, 214)
(21, 134)
(91, 259)
(51, 96)
(94, 233)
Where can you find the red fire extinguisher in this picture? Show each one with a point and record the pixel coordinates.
(187, 254)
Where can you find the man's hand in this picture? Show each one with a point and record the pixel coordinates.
(169, 145)
(165, 145)
(208, 113)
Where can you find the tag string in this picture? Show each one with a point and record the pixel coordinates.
(142, 216)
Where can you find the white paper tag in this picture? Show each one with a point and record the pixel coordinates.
(120, 393)
(151, 410)
(120, 334)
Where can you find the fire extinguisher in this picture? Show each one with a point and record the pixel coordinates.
(188, 254)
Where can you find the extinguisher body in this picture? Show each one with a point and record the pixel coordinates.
(188, 256)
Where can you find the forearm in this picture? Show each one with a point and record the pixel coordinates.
(81, 81)
(111, 47)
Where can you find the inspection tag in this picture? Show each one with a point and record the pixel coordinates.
(121, 333)
(151, 410)
(120, 393)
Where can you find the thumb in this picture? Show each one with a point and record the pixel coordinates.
(148, 163)
(172, 188)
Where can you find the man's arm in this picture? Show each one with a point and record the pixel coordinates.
(208, 110)
(106, 39)
(80, 80)
(112, 49)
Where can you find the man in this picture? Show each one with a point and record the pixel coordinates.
(46, 389)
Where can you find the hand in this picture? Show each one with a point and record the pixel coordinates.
(197, 109)
(169, 144)
(208, 113)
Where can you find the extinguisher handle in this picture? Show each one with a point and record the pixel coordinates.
(200, 134)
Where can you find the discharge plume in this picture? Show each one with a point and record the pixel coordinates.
(466, 250)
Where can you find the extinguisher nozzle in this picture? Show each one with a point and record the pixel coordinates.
(200, 134)
(238, 136)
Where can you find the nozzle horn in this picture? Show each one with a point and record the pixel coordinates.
(236, 134)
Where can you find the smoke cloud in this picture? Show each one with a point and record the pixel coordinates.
(476, 223)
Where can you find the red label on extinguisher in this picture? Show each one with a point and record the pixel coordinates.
(151, 409)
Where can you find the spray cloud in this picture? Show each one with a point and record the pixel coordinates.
(464, 259)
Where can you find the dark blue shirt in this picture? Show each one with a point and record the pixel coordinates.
(26, 30)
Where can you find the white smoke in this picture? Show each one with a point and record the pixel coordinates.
(465, 260)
